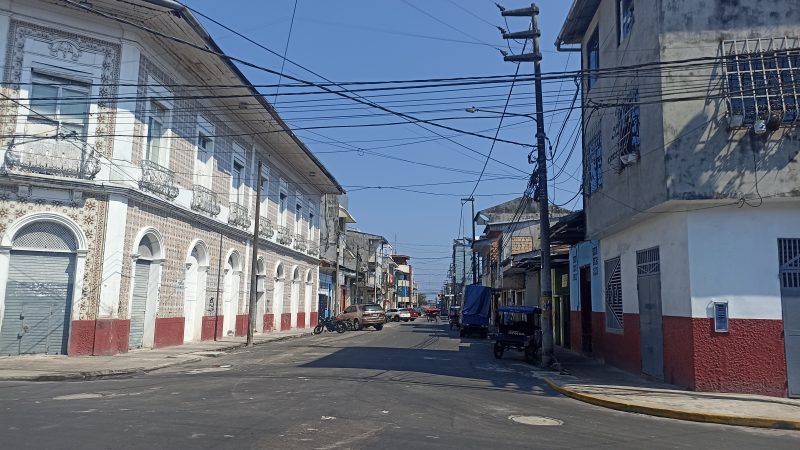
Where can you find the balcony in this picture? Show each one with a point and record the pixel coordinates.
(265, 229)
(66, 157)
(284, 236)
(313, 250)
(238, 216)
(300, 243)
(158, 179)
(205, 200)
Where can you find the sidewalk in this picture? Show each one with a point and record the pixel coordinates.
(592, 382)
(62, 368)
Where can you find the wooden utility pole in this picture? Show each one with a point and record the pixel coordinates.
(546, 297)
(253, 306)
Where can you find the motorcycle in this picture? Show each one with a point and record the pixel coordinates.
(331, 325)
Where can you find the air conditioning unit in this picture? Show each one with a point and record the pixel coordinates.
(628, 158)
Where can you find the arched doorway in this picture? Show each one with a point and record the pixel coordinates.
(294, 305)
(194, 301)
(277, 294)
(232, 281)
(308, 291)
(261, 288)
(41, 255)
(146, 278)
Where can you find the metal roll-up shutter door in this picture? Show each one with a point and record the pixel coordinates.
(38, 303)
(139, 303)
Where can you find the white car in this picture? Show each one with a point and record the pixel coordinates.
(396, 315)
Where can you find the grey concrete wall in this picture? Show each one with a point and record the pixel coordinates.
(704, 159)
(639, 186)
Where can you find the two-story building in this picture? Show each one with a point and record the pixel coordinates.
(690, 113)
(127, 196)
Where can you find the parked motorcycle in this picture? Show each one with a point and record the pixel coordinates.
(330, 325)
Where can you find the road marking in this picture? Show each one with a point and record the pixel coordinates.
(83, 396)
(328, 418)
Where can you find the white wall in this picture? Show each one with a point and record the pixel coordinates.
(734, 254)
(668, 231)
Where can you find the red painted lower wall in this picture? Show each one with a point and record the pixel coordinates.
(623, 349)
(314, 319)
(750, 358)
(269, 322)
(575, 334)
(81, 337)
(103, 337)
(168, 332)
(301, 320)
(678, 351)
(241, 325)
(111, 337)
(209, 323)
(598, 334)
(286, 321)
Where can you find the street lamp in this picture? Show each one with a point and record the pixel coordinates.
(473, 109)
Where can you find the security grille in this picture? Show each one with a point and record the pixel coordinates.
(762, 77)
(626, 133)
(647, 262)
(45, 236)
(594, 163)
(789, 257)
(613, 270)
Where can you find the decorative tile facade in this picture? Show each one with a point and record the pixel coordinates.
(89, 214)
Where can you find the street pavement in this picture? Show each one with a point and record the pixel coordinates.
(411, 385)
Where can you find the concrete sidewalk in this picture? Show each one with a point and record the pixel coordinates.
(592, 382)
(62, 368)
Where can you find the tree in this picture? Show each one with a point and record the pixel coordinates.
(421, 299)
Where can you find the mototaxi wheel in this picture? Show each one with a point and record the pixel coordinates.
(531, 354)
(340, 327)
(498, 350)
(319, 328)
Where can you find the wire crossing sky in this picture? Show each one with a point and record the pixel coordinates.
(407, 40)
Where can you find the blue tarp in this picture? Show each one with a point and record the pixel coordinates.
(477, 301)
(518, 309)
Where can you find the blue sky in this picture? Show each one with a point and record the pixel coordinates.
(400, 40)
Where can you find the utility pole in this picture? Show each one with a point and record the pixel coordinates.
(253, 306)
(358, 266)
(546, 297)
(471, 199)
(335, 294)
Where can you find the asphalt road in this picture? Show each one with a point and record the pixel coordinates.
(410, 386)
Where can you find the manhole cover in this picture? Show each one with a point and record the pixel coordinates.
(537, 420)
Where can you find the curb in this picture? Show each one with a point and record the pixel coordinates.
(723, 419)
(100, 374)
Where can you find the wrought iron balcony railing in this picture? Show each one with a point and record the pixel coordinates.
(238, 216)
(265, 229)
(284, 236)
(158, 179)
(205, 200)
(60, 156)
(300, 243)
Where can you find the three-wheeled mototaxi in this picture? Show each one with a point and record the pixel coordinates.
(519, 328)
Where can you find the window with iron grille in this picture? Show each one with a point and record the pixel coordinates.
(626, 133)
(762, 77)
(594, 161)
(613, 287)
(624, 19)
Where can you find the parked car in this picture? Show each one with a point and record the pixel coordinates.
(369, 315)
(413, 313)
(396, 315)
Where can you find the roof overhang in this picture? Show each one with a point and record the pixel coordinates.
(345, 214)
(285, 143)
(577, 22)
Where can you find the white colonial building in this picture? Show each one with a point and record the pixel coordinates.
(127, 192)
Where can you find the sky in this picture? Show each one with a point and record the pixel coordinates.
(403, 181)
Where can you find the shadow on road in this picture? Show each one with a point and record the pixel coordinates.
(472, 360)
